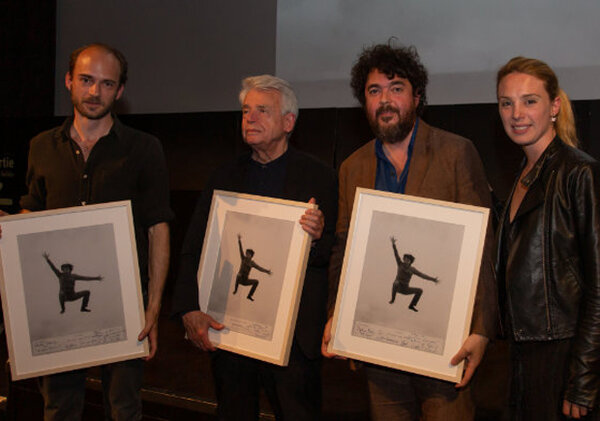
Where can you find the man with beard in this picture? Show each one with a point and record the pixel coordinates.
(409, 156)
(93, 158)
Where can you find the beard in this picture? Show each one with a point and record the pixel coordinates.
(98, 113)
(393, 133)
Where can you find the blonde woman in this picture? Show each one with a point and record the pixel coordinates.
(548, 260)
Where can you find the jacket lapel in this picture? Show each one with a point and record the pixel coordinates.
(537, 181)
(419, 160)
(369, 168)
(237, 179)
(293, 175)
(533, 198)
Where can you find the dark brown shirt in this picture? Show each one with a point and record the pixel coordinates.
(126, 164)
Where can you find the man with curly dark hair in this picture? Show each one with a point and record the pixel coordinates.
(391, 61)
(409, 156)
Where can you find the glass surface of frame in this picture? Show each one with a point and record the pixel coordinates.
(71, 292)
(251, 273)
(408, 282)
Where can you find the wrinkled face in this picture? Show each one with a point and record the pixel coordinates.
(263, 126)
(391, 106)
(94, 84)
(526, 110)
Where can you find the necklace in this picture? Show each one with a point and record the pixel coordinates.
(85, 145)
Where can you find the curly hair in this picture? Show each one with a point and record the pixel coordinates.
(392, 61)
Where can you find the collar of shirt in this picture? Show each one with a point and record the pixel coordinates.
(386, 178)
(534, 173)
(267, 179)
(115, 130)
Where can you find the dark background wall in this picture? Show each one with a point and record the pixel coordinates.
(27, 31)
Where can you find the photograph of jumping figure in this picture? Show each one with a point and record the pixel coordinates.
(245, 267)
(405, 273)
(66, 279)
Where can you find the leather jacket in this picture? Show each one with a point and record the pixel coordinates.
(548, 263)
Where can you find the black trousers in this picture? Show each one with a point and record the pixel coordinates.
(294, 392)
(539, 370)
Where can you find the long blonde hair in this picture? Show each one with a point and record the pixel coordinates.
(565, 120)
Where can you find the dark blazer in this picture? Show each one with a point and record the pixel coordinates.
(305, 177)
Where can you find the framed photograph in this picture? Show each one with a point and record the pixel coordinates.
(251, 273)
(408, 282)
(71, 291)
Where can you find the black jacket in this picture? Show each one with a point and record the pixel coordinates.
(550, 272)
(305, 177)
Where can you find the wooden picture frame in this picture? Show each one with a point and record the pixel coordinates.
(433, 259)
(258, 300)
(71, 292)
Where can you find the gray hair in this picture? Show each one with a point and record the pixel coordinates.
(289, 102)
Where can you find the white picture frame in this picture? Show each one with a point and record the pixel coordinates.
(446, 242)
(96, 241)
(263, 328)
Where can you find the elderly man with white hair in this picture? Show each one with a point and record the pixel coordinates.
(272, 168)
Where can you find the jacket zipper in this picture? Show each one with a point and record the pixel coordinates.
(545, 252)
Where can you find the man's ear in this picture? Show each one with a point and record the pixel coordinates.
(120, 92)
(555, 106)
(68, 80)
(289, 120)
(416, 100)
